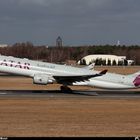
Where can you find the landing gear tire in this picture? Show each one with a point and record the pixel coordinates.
(65, 89)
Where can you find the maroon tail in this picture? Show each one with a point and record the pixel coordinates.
(137, 81)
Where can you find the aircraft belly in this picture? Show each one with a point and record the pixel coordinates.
(109, 85)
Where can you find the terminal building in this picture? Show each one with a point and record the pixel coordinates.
(101, 59)
(3, 45)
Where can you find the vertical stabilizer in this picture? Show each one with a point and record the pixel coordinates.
(136, 77)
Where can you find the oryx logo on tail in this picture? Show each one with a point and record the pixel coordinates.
(137, 81)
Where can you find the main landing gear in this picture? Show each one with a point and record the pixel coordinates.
(66, 89)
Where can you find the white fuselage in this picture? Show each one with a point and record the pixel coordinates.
(29, 67)
(110, 81)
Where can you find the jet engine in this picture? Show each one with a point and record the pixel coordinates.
(42, 79)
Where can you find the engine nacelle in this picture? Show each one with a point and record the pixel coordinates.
(42, 79)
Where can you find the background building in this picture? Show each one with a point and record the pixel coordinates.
(130, 62)
(3, 45)
(104, 60)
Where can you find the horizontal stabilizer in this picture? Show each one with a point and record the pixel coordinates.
(90, 67)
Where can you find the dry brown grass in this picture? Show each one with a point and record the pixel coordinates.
(119, 69)
(69, 117)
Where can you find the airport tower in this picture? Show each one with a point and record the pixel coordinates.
(59, 42)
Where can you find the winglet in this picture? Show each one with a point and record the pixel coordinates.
(103, 72)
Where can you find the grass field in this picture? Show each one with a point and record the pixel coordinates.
(86, 116)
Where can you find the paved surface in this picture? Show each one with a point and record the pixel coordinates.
(74, 94)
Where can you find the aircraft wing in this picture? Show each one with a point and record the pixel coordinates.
(68, 80)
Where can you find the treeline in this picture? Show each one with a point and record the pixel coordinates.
(59, 55)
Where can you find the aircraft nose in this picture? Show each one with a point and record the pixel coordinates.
(137, 81)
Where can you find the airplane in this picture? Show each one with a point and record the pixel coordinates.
(112, 81)
(44, 73)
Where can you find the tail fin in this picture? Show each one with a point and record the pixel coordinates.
(90, 67)
(136, 77)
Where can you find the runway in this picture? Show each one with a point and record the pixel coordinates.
(74, 94)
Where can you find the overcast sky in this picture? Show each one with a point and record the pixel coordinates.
(78, 22)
